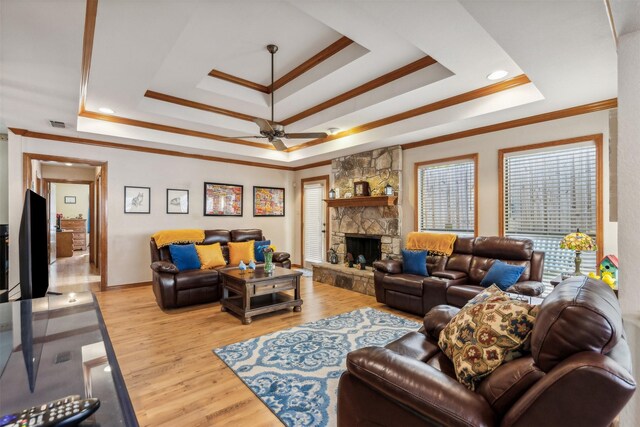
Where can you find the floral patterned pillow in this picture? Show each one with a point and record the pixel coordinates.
(488, 331)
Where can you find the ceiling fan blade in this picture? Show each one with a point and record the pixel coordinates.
(278, 144)
(306, 135)
(242, 137)
(265, 125)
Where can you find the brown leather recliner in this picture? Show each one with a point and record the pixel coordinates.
(455, 279)
(174, 288)
(577, 374)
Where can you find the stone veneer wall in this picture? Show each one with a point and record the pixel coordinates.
(377, 167)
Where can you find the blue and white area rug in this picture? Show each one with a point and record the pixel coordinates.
(295, 372)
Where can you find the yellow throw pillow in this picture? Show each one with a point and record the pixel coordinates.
(210, 256)
(241, 251)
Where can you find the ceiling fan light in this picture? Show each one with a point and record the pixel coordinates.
(497, 75)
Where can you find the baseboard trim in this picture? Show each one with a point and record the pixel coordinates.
(127, 286)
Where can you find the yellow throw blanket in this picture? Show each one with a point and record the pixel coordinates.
(168, 237)
(437, 243)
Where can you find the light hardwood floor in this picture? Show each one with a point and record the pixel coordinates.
(166, 358)
(73, 274)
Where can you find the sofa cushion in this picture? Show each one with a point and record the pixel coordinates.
(216, 236)
(241, 251)
(581, 314)
(509, 382)
(404, 283)
(259, 247)
(437, 318)
(192, 279)
(503, 248)
(210, 256)
(247, 234)
(459, 262)
(459, 295)
(184, 257)
(414, 262)
(489, 330)
(416, 346)
(502, 275)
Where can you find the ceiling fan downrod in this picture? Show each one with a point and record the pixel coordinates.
(272, 48)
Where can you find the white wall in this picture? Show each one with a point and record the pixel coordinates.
(81, 206)
(128, 234)
(487, 146)
(4, 183)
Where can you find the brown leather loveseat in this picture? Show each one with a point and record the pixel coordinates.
(455, 279)
(174, 288)
(578, 372)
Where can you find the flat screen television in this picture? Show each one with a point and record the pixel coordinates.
(33, 247)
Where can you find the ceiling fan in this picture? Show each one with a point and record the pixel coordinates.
(272, 130)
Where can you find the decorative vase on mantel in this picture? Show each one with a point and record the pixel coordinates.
(268, 262)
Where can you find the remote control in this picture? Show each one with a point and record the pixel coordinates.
(68, 411)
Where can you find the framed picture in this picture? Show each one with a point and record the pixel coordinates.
(137, 200)
(222, 199)
(361, 188)
(69, 200)
(268, 201)
(177, 201)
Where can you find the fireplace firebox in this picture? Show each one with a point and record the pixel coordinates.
(368, 246)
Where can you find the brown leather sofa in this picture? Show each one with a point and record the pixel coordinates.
(578, 372)
(455, 279)
(174, 288)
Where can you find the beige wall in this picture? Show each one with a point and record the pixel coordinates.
(80, 192)
(128, 234)
(68, 172)
(487, 147)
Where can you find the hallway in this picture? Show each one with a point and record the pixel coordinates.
(74, 274)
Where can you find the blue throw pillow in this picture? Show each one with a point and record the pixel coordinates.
(185, 257)
(259, 246)
(503, 275)
(414, 262)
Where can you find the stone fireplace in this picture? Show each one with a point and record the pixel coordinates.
(381, 223)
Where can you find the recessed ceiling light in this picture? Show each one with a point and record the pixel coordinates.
(106, 110)
(497, 75)
(332, 131)
(68, 164)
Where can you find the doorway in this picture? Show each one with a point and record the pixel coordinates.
(75, 190)
(315, 217)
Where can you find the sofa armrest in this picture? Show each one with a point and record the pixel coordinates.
(280, 256)
(449, 274)
(164, 267)
(437, 318)
(422, 388)
(528, 287)
(391, 266)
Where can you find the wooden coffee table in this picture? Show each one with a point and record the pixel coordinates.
(255, 292)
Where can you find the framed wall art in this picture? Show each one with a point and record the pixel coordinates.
(268, 201)
(222, 199)
(177, 201)
(137, 200)
(69, 200)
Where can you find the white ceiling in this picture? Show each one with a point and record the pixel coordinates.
(565, 48)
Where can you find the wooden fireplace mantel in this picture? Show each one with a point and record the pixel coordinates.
(362, 201)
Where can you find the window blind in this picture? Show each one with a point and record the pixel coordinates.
(446, 197)
(548, 195)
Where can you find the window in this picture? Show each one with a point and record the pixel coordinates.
(447, 198)
(549, 192)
